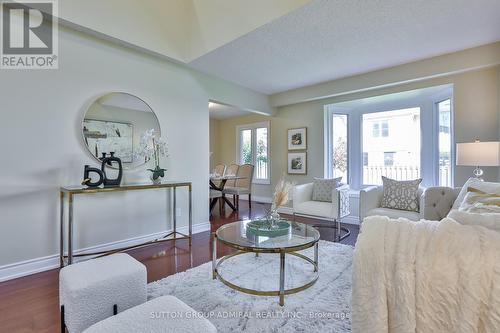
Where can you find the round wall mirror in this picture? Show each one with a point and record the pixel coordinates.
(114, 124)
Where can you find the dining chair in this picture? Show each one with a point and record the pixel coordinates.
(219, 170)
(242, 186)
(214, 197)
(231, 170)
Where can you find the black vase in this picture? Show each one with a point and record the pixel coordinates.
(87, 180)
(109, 161)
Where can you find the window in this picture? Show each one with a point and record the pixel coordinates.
(376, 130)
(385, 129)
(339, 144)
(389, 159)
(246, 147)
(445, 143)
(365, 159)
(406, 135)
(398, 155)
(253, 148)
(380, 129)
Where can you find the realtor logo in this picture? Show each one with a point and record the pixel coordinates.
(29, 34)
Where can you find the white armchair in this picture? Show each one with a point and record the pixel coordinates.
(304, 205)
(370, 199)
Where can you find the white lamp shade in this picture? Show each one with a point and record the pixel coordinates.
(478, 154)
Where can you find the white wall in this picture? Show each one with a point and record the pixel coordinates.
(442, 66)
(214, 143)
(162, 27)
(40, 124)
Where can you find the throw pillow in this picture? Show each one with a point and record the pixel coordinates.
(323, 188)
(487, 220)
(401, 194)
(487, 187)
(477, 201)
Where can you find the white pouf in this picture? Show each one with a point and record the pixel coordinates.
(89, 290)
(165, 314)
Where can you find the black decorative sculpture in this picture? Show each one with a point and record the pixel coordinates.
(109, 161)
(87, 180)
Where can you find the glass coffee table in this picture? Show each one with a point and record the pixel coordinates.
(242, 237)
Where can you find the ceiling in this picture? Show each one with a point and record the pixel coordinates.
(221, 111)
(181, 30)
(326, 40)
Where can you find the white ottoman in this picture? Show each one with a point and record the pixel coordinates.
(89, 290)
(165, 314)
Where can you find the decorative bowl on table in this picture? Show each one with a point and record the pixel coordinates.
(268, 228)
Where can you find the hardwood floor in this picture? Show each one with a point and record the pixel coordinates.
(30, 304)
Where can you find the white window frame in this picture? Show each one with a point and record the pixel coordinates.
(328, 141)
(436, 100)
(253, 127)
(429, 162)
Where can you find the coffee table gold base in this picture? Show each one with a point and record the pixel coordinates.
(282, 292)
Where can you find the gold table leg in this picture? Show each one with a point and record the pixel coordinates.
(190, 214)
(70, 229)
(61, 230)
(282, 278)
(214, 258)
(316, 256)
(175, 212)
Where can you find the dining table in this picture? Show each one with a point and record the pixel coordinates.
(222, 180)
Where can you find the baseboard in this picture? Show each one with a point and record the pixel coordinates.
(37, 265)
(257, 198)
(351, 220)
(285, 210)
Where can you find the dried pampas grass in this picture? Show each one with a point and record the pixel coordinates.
(281, 193)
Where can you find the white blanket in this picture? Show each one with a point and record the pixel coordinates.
(425, 277)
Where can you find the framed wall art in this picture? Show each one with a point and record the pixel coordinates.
(297, 138)
(109, 136)
(297, 163)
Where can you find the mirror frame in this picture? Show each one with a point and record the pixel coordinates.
(94, 100)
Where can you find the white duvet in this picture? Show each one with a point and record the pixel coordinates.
(426, 277)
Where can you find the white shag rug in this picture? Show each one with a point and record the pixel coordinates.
(324, 307)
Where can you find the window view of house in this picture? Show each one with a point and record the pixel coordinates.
(380, 129)
(391, 145)
(402, 136)
(445, 143)
(389, 159)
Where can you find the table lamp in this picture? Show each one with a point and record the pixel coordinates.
(478, 154)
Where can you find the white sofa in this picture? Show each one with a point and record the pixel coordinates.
(370, 199)
(436, 202)
(443, 201)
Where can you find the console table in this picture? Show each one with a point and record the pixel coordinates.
(68, 193)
